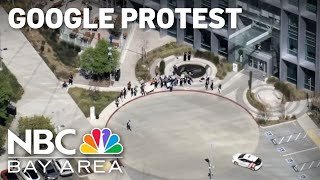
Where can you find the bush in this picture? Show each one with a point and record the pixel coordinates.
(272, 80)
(142, 71)
(255, 103)
(290, 92)
(157, 70)
(116, 31)
(162, 67)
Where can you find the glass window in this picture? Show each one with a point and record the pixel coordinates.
(310, 41)
(291, 73)
(312, 6)
(189, 3)
(205, 39)
(223, 3)
(172, 4)
(292, 34)
(294, 2)
(173, 30)
(188, 33)
(156, 1)
(309, 79)
(206, 3)
(223, 46)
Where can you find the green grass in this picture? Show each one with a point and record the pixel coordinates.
(9, 81)
(85, 99)
(10, 90)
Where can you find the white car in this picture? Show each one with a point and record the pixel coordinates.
(29, 175)
(59, 163)
(247, 160)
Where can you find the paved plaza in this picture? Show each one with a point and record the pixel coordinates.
(172, 133)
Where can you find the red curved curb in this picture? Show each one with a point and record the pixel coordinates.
(204, 92)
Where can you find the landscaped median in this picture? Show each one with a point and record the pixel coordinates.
(88, 98)
(143, 65)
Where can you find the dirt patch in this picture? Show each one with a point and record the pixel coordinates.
(48, 55)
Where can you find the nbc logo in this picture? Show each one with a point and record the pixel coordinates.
(101, 142)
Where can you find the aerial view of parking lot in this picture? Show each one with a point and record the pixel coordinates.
(159, 89)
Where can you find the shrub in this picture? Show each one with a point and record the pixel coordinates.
(272, 80)
(143, 73)
(290, 92)
(255, 103)
(116, 31)
(162, 67)
(157, 70)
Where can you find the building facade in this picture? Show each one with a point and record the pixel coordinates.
(273, 37)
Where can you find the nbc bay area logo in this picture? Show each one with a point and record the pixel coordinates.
(101, 142)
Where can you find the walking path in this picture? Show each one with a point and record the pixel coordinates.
(43, 94)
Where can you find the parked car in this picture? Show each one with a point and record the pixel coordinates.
(59, 164)
(29, 174)
(49, 172)
(5, 175)
(247, 160)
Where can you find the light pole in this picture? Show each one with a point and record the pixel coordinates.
(110, 57)
(4, 49)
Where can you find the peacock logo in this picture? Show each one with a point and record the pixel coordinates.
(101, 141)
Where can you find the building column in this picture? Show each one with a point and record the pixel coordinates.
(231, 46)
(163, 4)
(317, 73)
(300, 77)
(301, 52)
(196, 39)
(214, 43)
(283, 45)
(180, 33)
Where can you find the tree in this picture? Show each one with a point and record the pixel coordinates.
(162, 67)
(116, 31)
(97, 60)
(35, 122)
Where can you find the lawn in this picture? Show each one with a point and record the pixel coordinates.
(10, 90)
(86, 98)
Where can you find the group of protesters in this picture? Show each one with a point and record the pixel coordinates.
(133, 91)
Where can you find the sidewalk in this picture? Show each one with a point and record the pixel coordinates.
(43, 94)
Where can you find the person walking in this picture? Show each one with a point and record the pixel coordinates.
(211, 85)
(185, 56)
(135, 90)
(206, 85)
(70, 80)
(121, 95)
(219, 88)
(117, 102)
(129, 85)
(129, 126)
(132, 92)
(189, 55)
(124, 93)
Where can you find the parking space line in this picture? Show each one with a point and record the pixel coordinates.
(302, 166)
(297, 136)
(311, 164)
(289, 138)
(281, 140)
(305, 136)
(318, 164)
(300, 151)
